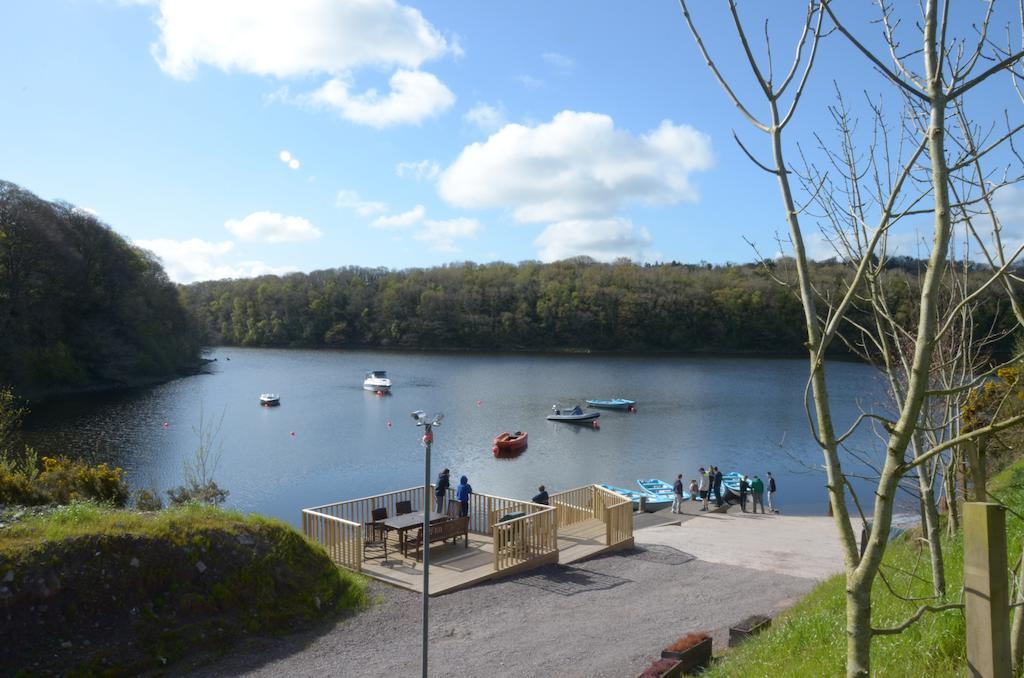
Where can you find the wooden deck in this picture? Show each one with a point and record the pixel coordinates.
(454, 567)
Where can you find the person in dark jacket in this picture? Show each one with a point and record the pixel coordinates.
(718, 486)
(441, 490)
(677, 495)
(744, 488)
(541, 497)
(771, 493)
(462, 493)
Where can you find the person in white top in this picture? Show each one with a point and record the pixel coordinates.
(705, 485)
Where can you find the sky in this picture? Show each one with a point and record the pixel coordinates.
(236, 138)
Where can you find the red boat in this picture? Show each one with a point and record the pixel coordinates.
(509, 443)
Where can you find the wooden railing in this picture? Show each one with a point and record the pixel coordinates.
(342, 539)
(533, 537)
(574, 506)
(339, 527)
(616, 512)
(360, 510)
(486, 509)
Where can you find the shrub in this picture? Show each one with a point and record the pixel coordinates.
(147, 500)
(194, 492)
(686, 642)
(66, 480)
(657, 668)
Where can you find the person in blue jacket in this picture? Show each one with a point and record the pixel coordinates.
(462, 493)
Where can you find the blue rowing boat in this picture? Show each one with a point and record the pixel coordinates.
(651, 502)
(613, 403)
(731, 483)
(660, 489)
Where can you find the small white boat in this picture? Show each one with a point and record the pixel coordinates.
(270, 399)
(377, 381)
(574, 416)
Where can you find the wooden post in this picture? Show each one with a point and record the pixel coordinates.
(986, 590)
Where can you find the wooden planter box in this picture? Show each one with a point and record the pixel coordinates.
(747, 628)
(697, 657)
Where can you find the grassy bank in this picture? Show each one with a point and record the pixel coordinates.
(810, 638)
(99, 589)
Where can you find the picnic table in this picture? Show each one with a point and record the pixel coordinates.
(403, 523)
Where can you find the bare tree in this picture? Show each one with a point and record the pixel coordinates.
(918, 181)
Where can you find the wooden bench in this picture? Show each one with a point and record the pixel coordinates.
(452, 529)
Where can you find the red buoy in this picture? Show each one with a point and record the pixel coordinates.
(293, 434)
(595, 424)
(389, 423)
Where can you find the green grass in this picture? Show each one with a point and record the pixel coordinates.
(809, 639)
(80, 519)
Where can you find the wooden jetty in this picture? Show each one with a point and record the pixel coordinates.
(578, 524)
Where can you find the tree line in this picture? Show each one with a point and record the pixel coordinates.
(79, 305)
(576, 304)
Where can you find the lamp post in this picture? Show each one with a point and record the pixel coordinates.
(428, 439)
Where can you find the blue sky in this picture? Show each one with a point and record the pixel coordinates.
(238, 138)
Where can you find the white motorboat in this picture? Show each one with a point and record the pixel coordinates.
(377, 381)
(270, 399)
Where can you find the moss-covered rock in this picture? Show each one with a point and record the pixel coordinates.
(118, 591)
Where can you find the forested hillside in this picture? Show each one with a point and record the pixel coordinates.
(573, 304)
(80, 306)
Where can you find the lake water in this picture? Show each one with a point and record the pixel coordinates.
(331, 440)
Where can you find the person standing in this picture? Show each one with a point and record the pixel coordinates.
(705, 485)
(744, 487)
(757, 489)
(441, 490)
(462, 493)
(718, 486)
(677, 495)
(771, 493)
(541, 497)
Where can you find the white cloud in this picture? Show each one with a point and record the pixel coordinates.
(441, 235)
(272, 227)
(561, 62)
(191, 260)
(529, 81)
(312, 37)
(602, 239)
(414, 97)
(403, 220)
(286, 39)
(423, 170)
(576, 166)
(289, 159)
(350, 200)
(486, 117)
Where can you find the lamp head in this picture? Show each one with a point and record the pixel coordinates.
(419, 416)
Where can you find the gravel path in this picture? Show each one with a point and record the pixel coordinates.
(609, 616)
